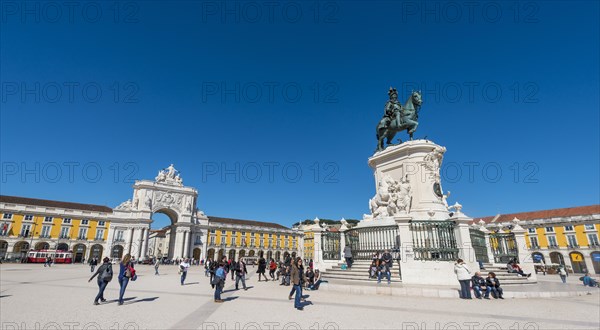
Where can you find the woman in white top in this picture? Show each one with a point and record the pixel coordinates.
(463, 275)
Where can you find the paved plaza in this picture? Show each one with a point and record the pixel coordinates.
(34, 297)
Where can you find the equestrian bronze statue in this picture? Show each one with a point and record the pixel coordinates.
(398, 118)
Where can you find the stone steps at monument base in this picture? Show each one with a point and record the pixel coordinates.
(364, 278)
(360, 270)
(364, 272)
(398, 289)
(357, 277)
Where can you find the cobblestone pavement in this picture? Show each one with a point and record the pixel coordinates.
(34, 297)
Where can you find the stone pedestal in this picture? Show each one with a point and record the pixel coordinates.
(409, 190)
(416, 163)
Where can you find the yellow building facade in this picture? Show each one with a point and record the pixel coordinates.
(568, 236)
(34, 224)
(235, 238)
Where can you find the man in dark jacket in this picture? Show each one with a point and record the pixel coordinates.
(384, 267)
(494, 284)
(103, 279)
(479, 285)
(240, 274)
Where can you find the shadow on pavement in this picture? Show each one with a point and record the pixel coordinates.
(143, 300)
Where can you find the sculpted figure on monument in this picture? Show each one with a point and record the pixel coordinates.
(398, 118)
(404, 196)
(126, 205)
(392, 197)
(433, 161)
(170, 176)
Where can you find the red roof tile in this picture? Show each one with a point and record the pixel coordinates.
(545, 214)
(56, 204)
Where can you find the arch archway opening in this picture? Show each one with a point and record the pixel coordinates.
(42, 246)
(596, 261)
(577, 262)
(166, 219)
(62, 247)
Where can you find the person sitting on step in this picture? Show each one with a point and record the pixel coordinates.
(479, 285)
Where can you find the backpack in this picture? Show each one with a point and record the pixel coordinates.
(107, 274)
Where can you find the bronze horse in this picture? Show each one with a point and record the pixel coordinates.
(405, 119)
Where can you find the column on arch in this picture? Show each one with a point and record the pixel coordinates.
(145, 233)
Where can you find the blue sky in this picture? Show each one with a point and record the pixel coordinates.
(270, 112)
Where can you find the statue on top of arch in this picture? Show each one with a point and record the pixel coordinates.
(169, 175)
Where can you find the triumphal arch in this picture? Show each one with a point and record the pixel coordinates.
(130, 227)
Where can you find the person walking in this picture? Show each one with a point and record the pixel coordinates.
(105, 275)
(126, 272)
(93, 264)
(262, 266)
(463, 275)
(206, 267)
(272, 269)
(297, 279)
(562, 272)
(219, 282)
(240, 274)
(183, 269)
(348, 256)
(156, 265)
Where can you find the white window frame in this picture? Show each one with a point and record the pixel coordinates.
(531, 230)
(592, 226)
(28, 217)
(25, 227)
(46, 231)
(62, 230)
(101, 236)
(533, 241)
(101, 223)
(549, 231)
(596, 241)
(85, 222)
(48, 219)
(84, 231)
(574, 240)
(7, 216)
(2, 226)
(212, 240)
(550, 244)
(223, 238)
(232, 240)
(569, 230)
(67, 221)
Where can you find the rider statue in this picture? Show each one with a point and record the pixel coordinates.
(398, 117)
(392, 110)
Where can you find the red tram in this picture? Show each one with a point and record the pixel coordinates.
(58, 256)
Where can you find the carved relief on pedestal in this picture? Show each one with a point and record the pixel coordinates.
(433, 162)
(393, 197)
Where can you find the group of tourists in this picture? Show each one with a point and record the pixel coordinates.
(105, 275)
(381, 265)
(482, 287)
